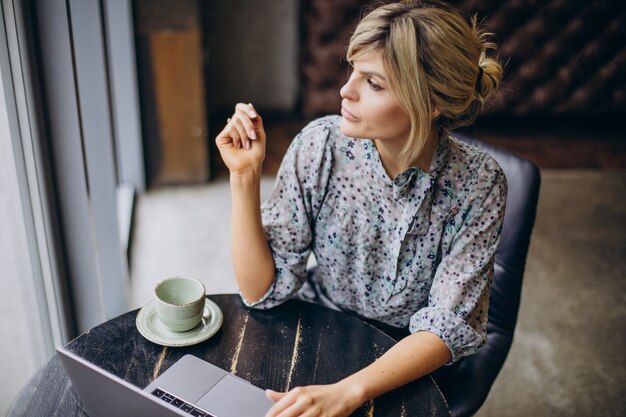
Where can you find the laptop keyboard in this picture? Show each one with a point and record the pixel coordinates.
(178, 403)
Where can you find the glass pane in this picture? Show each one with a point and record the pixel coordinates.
(22, 346)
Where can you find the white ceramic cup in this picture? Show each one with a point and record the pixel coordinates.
(180, 302)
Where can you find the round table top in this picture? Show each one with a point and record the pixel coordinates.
(297, 343)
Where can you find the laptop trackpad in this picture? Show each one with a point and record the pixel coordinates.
(189, 378)
(233, 397)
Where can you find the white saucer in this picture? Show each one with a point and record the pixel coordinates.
(152, 329)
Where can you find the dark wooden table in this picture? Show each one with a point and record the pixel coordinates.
(295, 344)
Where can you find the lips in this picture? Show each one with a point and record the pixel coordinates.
(347, 114)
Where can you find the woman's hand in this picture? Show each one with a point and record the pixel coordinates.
(336, 400)
(411, 358)
(242, 141)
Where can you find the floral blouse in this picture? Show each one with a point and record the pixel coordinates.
(414, 251)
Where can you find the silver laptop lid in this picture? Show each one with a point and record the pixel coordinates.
(104, 394)
(190, 387)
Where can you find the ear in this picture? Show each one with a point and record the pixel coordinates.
(435, 113)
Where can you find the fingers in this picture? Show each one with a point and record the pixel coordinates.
(290, 404)
(248, 109)
(238, 133)
(273, 395)
(243, 129)
(283, 401)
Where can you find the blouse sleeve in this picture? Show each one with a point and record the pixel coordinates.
(459, 296)
(289, 213)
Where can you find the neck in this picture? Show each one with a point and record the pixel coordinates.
(389, 151)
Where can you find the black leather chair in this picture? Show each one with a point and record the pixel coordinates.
(465, 384)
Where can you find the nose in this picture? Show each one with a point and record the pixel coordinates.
(348, 91)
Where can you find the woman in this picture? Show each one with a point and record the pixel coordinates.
(403, 221)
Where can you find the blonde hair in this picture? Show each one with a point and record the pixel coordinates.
(435, 60)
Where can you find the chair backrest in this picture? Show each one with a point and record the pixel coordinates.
(473, 378)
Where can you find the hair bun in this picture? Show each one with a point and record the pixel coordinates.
(490, 74)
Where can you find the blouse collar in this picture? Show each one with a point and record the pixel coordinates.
(405, 181)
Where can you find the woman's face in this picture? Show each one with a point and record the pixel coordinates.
(369, 109)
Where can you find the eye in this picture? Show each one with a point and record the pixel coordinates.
(373, 85)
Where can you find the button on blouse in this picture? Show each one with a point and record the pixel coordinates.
(414, 251)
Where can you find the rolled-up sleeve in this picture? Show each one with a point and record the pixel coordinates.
(289, 213)
(459, 297)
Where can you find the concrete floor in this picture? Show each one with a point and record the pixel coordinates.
(183, 231)
(568, 357)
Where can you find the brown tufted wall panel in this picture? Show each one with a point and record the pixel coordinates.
(563, 57)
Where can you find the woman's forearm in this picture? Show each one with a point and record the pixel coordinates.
(252, 259)
(412, 358)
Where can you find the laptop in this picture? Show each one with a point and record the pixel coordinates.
(190, 387)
